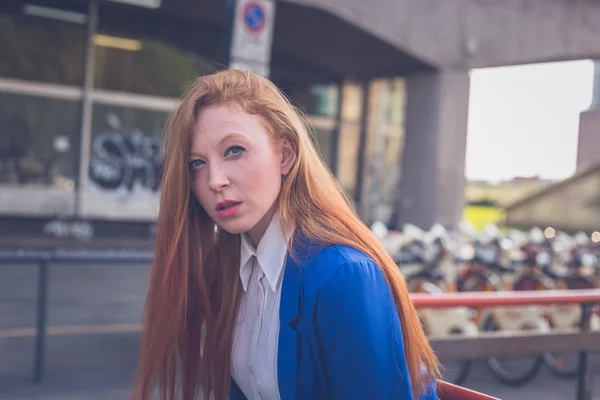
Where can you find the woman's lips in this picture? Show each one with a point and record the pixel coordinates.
(227, 209)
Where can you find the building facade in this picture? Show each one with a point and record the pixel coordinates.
(82, 111)
(87, 85)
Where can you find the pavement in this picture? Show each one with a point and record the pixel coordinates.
(93, 342)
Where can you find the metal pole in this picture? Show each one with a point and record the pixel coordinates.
(586, 373)
(377, 165)
(362, 147)
(337, 130)
(229, 19)
(40, 335)
(87, 105)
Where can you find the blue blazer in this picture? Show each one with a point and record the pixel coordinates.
(340, 335)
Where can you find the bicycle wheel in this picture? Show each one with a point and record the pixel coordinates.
(566, 365)
(563, 365)
(512, 371)
(456, 372)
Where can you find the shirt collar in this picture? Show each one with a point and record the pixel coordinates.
(270, 254)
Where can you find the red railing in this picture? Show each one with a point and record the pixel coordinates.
(448, 391)
(507, 298)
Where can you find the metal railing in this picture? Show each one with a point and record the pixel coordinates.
(449, 391)
(43, 259)
(486, 344)
(489, 344)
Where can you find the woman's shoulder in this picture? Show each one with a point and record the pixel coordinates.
(339, 262)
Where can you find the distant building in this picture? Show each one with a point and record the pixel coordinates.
(528, 180)
(504, 192)
(571, 205)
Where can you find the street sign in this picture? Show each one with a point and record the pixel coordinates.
(252, 35)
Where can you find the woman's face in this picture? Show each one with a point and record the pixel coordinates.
(236, 169)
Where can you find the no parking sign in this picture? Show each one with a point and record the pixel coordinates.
(252, 35)
(254, 15)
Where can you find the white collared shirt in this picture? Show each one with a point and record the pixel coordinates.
(255, 345)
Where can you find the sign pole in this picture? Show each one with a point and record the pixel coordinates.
(251, 35)
(225, 56)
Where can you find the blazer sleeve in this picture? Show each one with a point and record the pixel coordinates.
(360, 336)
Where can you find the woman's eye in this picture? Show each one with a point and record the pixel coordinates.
(195, 164)
(234, 151)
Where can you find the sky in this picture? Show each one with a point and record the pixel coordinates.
(524, 120)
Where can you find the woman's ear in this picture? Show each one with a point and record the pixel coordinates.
(288, 156)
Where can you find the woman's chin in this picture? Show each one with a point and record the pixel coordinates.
(234, 227)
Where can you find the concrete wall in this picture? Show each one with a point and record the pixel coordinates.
(588, 148)
(503, 32)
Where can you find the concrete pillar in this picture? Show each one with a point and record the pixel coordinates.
(596, 92)
(588, 145)
(433, 164)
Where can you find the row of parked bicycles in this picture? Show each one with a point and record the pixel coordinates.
(462, 259)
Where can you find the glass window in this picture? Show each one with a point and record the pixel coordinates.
(145, 66)
(392, 153)
(316, 100)
(383, 149)
(324, 100)
(319, 103)
(126, 151)
(396, 103)
(39, 140)
(352, 102)
(348, 157)
(41, 49)
(324, 143)
(394, 139)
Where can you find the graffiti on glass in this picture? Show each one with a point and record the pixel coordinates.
(124, 161)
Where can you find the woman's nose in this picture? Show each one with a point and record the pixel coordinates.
(218, 180)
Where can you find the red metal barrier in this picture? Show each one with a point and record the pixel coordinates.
(497, 299)
(448, 391)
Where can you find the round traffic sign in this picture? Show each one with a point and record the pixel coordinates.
(254, 17)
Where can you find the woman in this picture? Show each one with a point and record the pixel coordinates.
(265, 285)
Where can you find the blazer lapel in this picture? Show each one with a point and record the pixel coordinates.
(235, 393)
(289, 310)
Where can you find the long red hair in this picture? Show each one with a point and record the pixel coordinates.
(194, 291)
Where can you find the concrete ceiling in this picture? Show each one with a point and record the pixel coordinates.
(309, 41)
(505, 32)
(362, 39)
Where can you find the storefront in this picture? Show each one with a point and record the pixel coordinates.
(85, 92)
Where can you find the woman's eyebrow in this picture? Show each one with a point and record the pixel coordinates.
(225, 138)
(231, 135)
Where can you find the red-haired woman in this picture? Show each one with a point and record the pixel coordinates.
(265, 284)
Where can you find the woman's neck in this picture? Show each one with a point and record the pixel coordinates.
(258, 231)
